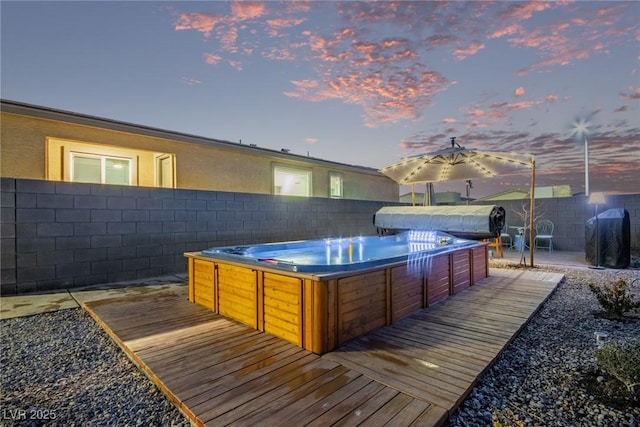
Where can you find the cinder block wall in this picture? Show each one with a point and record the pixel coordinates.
(58, 235)
(570, 214)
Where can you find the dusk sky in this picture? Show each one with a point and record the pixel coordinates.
(363, 83)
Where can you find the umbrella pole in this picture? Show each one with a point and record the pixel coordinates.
(531, 208)
(413, 194)
(424, 199)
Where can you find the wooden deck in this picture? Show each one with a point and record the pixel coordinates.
(415, 372)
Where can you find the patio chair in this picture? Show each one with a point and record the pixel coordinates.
(506, 238)
(544, 233)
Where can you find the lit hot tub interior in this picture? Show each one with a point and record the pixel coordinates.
(343, 254)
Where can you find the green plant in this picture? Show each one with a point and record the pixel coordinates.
(616, 299)
(623, 362)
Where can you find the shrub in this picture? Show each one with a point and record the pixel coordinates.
(623, 362)
(616, 299)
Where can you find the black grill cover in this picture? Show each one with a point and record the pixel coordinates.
(614, 239)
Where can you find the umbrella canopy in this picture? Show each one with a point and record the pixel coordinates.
(456, 163)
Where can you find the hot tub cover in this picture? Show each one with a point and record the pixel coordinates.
(468, 222)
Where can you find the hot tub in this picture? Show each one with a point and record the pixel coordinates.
(319, 294)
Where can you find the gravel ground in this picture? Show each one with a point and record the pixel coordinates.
(548, 375)
(61, 369)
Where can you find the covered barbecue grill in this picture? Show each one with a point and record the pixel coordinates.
(467, 222)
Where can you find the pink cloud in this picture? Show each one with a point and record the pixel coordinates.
(565, 43)
(548, 38)
(500, 111)
(277, 54)
(201, 22)
(475, 112)
(235, 64)
(505, 31)
(440, 39)
(311, 140)
(479, 116)
(304, 89)
(385, 95)
(228, 38)
(561, 59)
(449, 120)
(389, 77)
(211, 58)
(410, 145)
(287, 22)
(388, 51)
(471, 49)
(190, 81)
(242, 10)
(525, 10)
(633, 95)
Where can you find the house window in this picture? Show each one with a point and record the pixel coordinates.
(97, 169)
(335, 185)
(290, 181)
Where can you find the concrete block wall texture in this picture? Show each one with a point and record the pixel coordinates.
(59, 235)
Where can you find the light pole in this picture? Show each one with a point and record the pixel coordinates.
(581, 128)
(586, 166)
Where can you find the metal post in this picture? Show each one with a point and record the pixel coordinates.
(597, 240)
(586, 166)
(532, 204)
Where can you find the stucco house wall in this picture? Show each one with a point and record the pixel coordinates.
(200, 163)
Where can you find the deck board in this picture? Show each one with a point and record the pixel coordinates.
(414, 372)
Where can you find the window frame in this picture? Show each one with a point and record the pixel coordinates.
(339, 176)
(158, 159)
(69, 171)
(292, 170)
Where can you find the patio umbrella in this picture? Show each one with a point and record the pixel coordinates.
(458, 163)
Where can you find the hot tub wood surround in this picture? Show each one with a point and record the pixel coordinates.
(320, 312)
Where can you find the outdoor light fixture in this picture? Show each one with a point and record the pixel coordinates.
(597, 199)
(601, 338)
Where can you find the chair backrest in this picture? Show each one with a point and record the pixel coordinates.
(544, 227)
